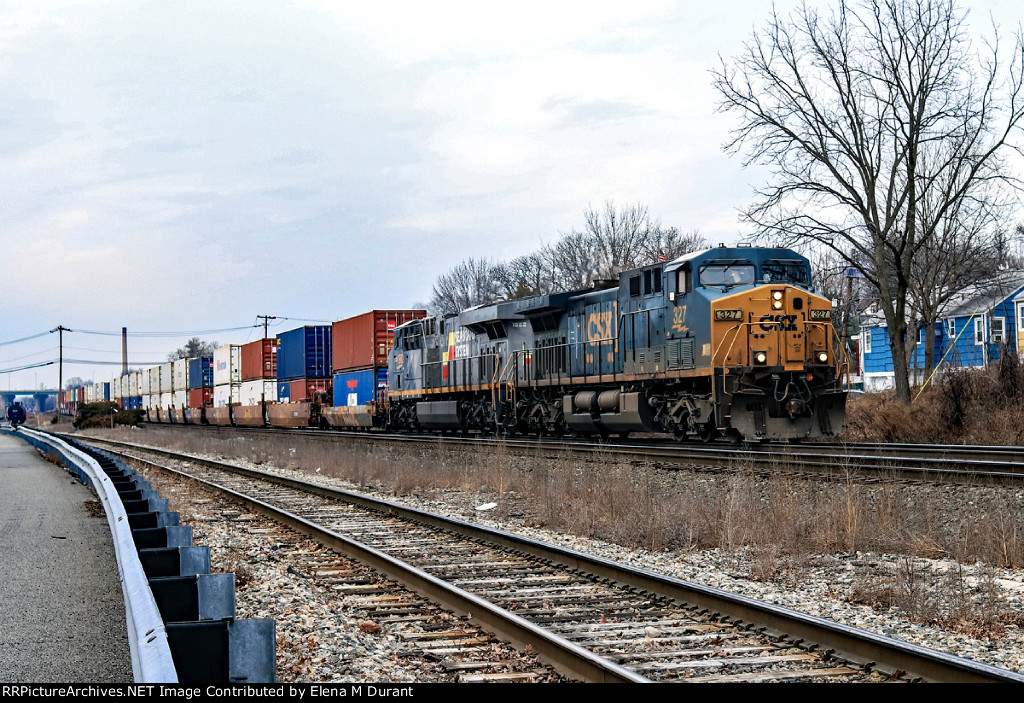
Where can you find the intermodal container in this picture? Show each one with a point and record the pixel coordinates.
(166, 378)
(133, 402)
(256, 392)
(226, 394)
(364, 340)
(302, 389)
(259, 359)
(353, 388)
(179, 374)
(198, 397)
(200, 372)
(304, 352)
(227, 365)
(147, 401)
(80, 394)
(166, 399)
(180, 399)
(135, 383)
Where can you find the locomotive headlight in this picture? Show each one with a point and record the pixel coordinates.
(777, 300)
(777, 295)
(823, 357)
(760, 357)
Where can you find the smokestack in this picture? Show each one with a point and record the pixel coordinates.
(124, 351)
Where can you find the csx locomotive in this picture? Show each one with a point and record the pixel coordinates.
(729, 341)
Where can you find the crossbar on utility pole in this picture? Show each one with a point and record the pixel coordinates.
(266, 322)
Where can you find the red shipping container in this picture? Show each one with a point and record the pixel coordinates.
(198, 397)
(259, 359)
(80, 394)
(365, 340)
(304, 388)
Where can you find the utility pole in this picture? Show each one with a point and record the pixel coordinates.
(60, 330)
(266, 321)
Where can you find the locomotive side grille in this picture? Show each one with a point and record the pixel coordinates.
(680, 354)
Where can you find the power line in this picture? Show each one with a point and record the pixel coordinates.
(25, 339)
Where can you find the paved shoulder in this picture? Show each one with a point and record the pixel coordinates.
(63, 611)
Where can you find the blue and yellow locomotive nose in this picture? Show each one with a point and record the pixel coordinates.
(779, 327)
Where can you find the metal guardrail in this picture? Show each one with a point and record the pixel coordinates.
(147, 636)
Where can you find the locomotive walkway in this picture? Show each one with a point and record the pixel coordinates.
(61, 609)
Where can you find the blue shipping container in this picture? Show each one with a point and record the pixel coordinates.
(200, 373)
(133, 402)
(284, 392)
(358, 387)
(304, 352)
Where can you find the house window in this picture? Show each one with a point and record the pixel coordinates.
(979, 330)
(867, 341)
(951, 327)
(920, 336)
(998, 330)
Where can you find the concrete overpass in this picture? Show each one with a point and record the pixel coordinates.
(42, 400)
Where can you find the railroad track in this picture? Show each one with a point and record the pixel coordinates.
(591, 618)
(905, 462)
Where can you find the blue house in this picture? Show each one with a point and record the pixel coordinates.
(975, 328)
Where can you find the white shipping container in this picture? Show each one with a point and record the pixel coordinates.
(90, 393)
(135, 383)
(227, 365)
(166, 399)
(180, 372)
(154, 380)
(180, 399)
(255, 391)
(226, 393)
(115, 388)
(147, 401)
(166, 378)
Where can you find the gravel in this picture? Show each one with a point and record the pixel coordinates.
(973, 610)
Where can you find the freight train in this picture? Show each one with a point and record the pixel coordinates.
(723, 342)
(727, 342)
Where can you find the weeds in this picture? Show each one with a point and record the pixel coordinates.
(771, 520)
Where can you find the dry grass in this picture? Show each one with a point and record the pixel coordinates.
(968, 406)
(776, 522)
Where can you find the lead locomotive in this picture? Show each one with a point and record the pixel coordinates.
(726, 341)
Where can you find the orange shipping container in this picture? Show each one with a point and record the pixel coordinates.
(365, 340)
(259, 359)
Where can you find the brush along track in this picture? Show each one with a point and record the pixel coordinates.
(910, 463)
(592, 618)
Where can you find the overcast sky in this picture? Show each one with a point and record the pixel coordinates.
(187, 166)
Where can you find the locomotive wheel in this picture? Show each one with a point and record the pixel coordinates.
(708, 433)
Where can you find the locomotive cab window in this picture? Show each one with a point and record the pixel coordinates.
(785, 271)
(634, 286)
(725, 274)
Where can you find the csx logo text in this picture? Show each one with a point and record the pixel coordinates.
(786, 322)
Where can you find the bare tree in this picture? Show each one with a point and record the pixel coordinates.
(193, 348)
(613, 240)
(472, 282)
(862, 115)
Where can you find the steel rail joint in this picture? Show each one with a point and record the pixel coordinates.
(147, 636)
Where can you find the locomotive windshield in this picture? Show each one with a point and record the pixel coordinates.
(727, 273)
(785, 271)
